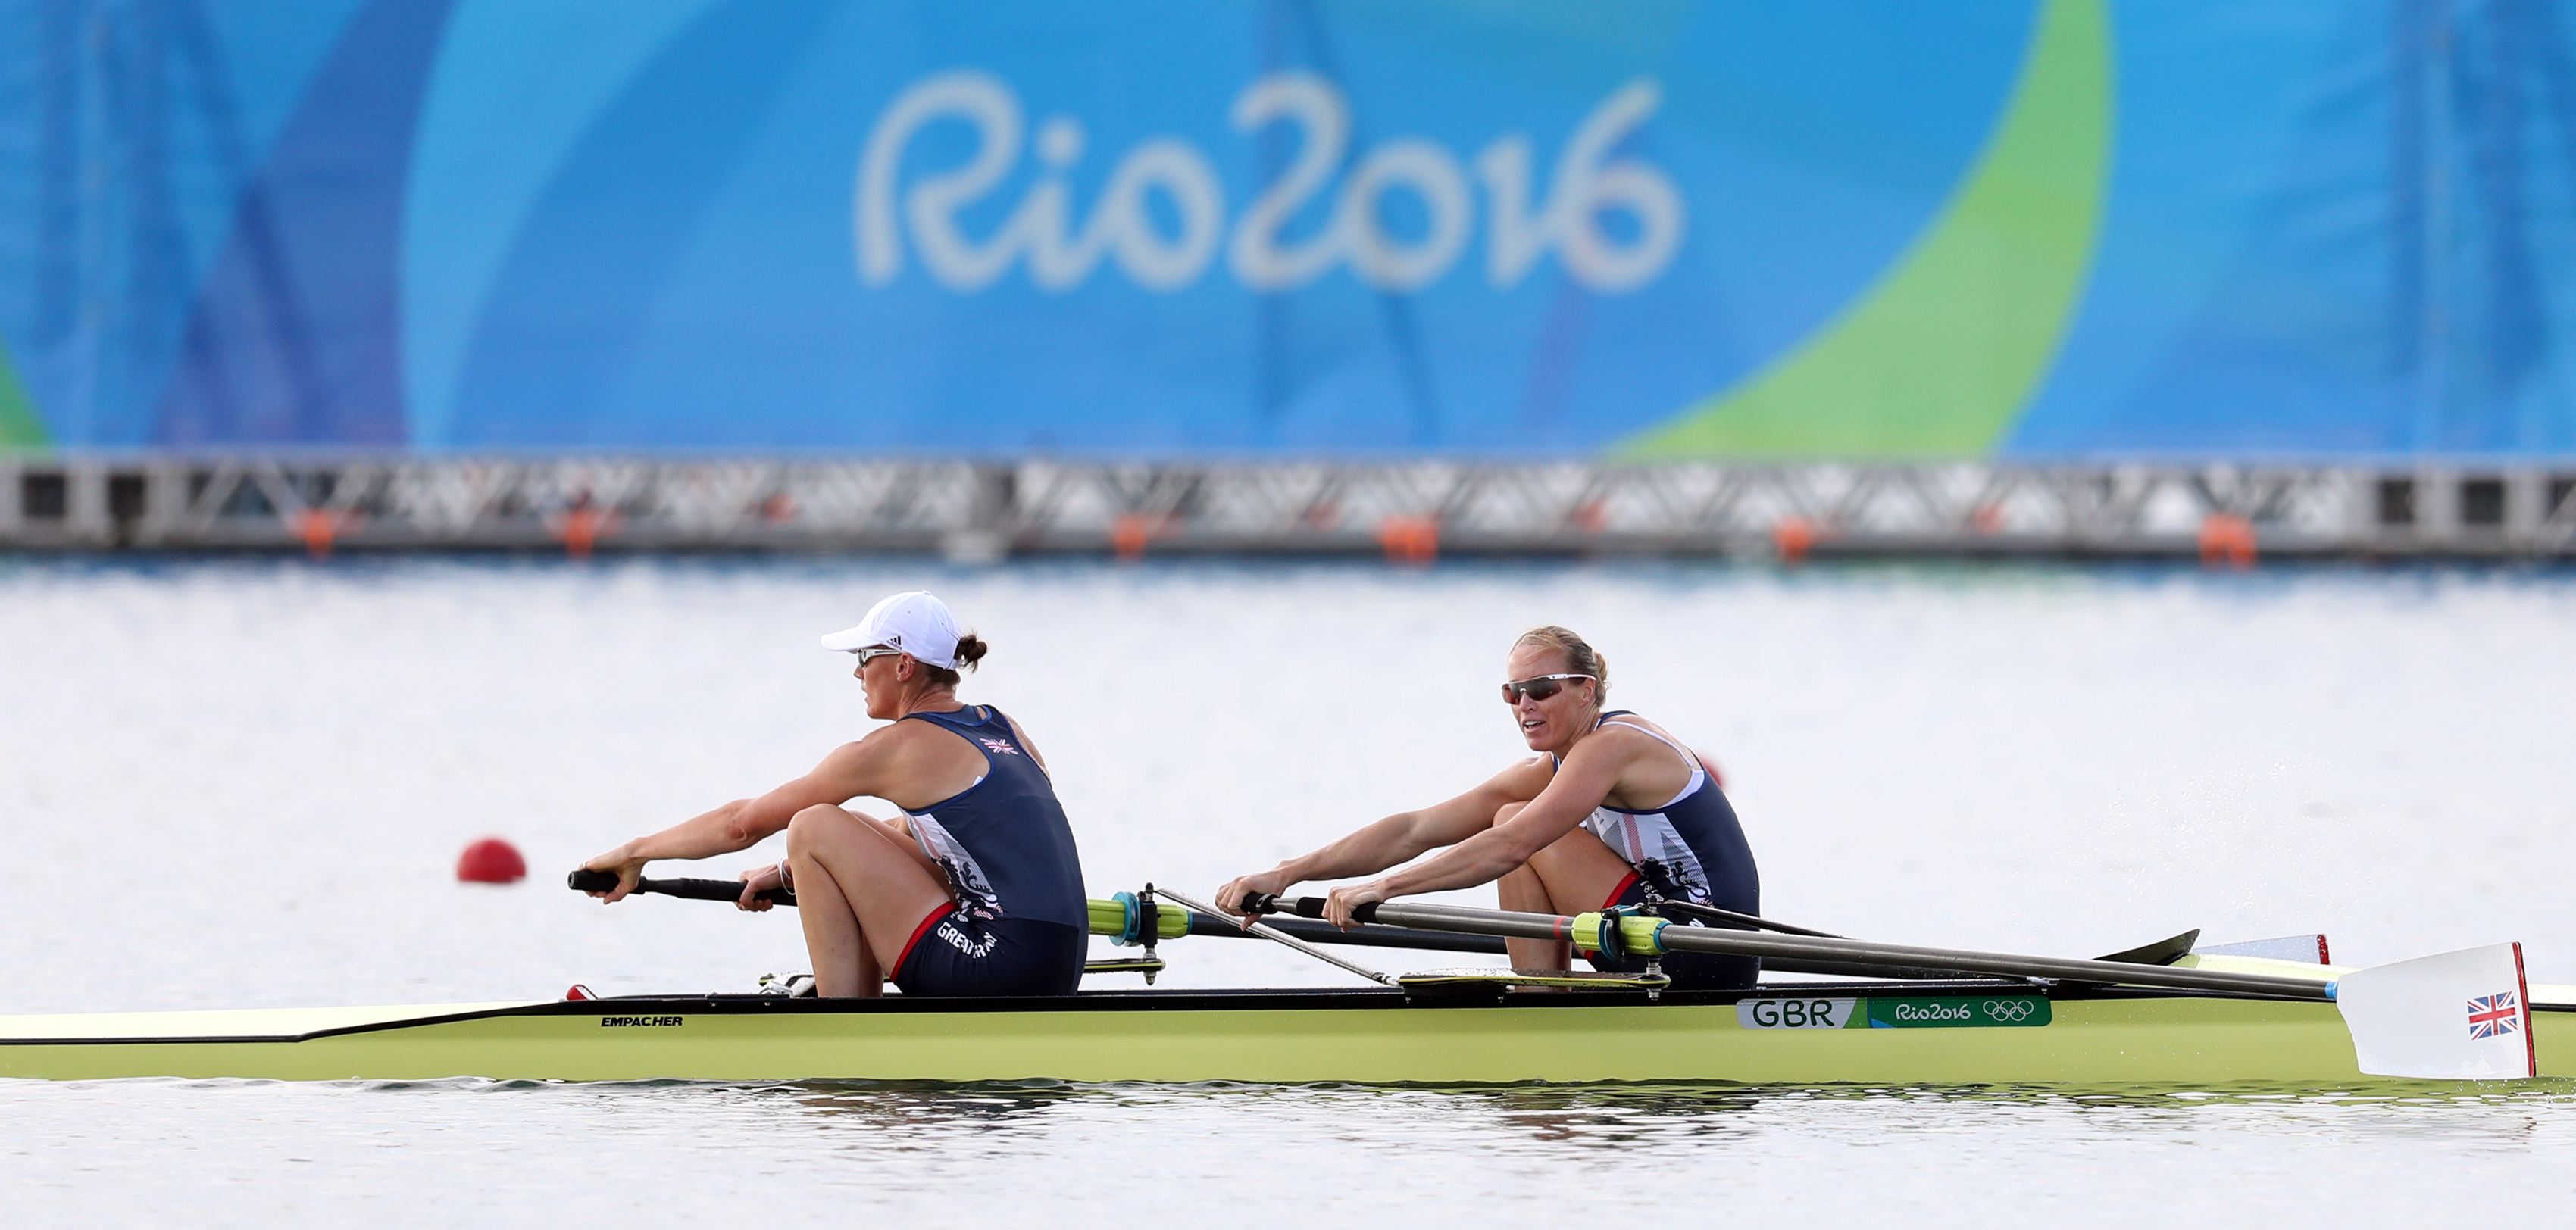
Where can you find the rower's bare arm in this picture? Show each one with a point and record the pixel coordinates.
(1577, 787)
(744, 823)
(701, 836)
(1397, 838)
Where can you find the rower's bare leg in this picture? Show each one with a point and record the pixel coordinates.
(1520, 889)
(1573, 874)
(862, 889)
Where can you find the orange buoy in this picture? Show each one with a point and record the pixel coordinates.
(491, 861)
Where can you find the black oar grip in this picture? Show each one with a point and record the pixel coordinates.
(588, 881)
(1302, 907)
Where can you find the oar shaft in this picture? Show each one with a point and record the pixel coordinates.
(1685, 909)
(1313, 907)
(699, 889)
(1362, 937)
(1272, 933)
(1757, 944)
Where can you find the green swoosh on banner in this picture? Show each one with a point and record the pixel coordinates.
(19, 426)
(1939, 357)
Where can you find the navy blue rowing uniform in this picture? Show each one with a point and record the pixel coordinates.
(1019, 923)
(1690, 849)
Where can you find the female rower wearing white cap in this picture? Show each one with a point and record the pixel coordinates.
(1612, 811)
(976, 889)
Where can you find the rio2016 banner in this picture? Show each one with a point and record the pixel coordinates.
(1616, 229)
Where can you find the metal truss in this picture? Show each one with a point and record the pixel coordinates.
(1408, 509)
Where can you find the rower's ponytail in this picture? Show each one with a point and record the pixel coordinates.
(970, 650)
(1580, 657)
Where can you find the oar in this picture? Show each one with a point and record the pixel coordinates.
(1105, 915)
(2405, 1018)
(1268, 932)
(1327, 933)
(1200, 922)
(1710, 913)
(1644, 936)
(588, 881)
(1313, 907)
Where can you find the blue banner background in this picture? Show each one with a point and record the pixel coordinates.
(1676, 229)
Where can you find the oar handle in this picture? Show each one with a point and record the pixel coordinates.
(1302, 907)
(588, 881)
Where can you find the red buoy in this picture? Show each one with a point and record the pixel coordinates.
(491, 861)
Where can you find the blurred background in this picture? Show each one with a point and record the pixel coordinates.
(1995, 276)
(1994, 228)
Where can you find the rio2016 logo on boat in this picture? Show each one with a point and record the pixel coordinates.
(1061, 246)
(1950, 1012)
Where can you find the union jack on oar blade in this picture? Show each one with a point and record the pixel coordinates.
(2490, 1015)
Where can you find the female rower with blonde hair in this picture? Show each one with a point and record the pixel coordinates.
(1612, 811)
(976, 889)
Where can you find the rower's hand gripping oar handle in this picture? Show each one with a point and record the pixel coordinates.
(1302, 907)
(1269, 932)
(587, 881)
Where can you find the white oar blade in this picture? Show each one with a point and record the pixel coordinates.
(2309, 949)
(2462, 1015)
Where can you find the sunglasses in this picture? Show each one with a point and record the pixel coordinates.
(870, 655)
(1539, 688)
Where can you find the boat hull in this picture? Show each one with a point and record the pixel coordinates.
(1285, 1037)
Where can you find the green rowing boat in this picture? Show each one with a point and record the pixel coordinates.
(2176, 1018)
(1870, 1033)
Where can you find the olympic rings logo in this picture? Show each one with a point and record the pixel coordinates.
(2009, 1009)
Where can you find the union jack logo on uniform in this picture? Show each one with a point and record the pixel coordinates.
(2491, 1015)
(1001, 746)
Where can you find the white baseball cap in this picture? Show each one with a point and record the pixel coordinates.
(913, 621)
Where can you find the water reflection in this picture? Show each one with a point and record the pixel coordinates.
(1627, 1117)
(983, 1107)
(2368, 1154)
(1618, 1116)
